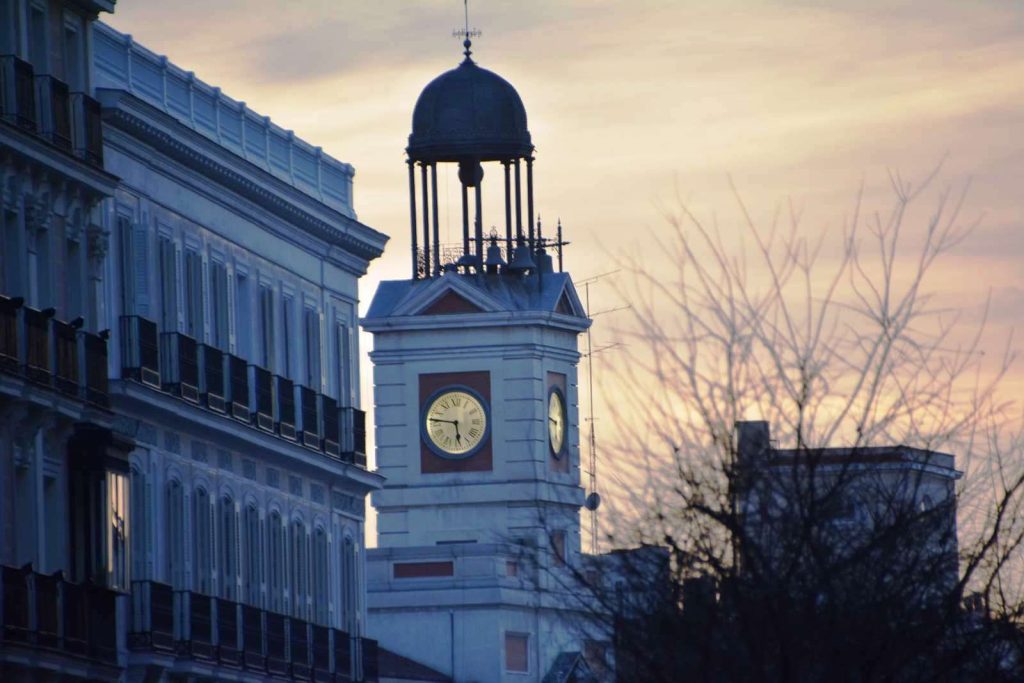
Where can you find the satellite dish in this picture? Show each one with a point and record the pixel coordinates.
(593, 501)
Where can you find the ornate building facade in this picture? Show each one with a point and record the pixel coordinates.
(183, 469)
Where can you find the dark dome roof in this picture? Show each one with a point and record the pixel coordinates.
(469, 112)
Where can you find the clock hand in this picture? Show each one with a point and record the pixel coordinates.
(457, 436)
(451, 422)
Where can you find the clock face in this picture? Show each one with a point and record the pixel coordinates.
(455, 422)
(556, 422)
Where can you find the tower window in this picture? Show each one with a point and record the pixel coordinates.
(558, 547)
(517, 652)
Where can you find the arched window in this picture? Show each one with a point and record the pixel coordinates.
(321, 595)
(349, 583)
(275, 561)
(202, 536)
(140, 520)
(228, 548)
(300, 569)
(175, 530)
(253, 574)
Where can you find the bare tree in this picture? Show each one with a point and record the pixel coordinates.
(848, 554)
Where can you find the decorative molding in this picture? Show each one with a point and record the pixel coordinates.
(316, 493)
(367, 247)
(172, 442)
(224, 460)
(99, 242)
(346, 503)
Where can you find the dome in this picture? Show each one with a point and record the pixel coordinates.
(469, 112)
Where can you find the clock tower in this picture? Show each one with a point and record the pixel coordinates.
(475, 406)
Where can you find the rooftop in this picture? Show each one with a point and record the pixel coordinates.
(123, 64)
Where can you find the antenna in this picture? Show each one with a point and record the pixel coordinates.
(594, 498)
(466, 33)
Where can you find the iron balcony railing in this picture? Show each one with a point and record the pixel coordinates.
(17, 93)
(47, 611)
(44, 106)
(54, 111)
(53, 353)
(87, 128)
(207, 376)
(205, 628)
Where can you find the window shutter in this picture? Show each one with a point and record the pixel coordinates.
(313, 377)
(124, 238)
(193, 295)
(140, 257)
(267, 327)
(169, 285)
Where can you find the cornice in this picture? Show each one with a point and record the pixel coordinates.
(477, 320)
(95, 181)
(143, 121)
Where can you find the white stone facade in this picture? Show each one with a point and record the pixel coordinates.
(212, 479)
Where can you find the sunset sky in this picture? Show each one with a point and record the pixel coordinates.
(634, 102)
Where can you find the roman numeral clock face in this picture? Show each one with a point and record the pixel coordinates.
(455, 423)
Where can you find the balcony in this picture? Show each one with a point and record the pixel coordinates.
(44, 106)
(42, 611)
(228, 634)
(53, 353)
(203, 375)
(310, 418)
(238, 383)
(17, 93)
(87, 129)
(54, 113)
(179, 362)
(211, 365)
(140, 350)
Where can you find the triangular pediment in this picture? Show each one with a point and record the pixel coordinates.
(569, 303)
(450, 303)
(448, 295)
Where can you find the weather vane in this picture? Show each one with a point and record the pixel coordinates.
(466, 33)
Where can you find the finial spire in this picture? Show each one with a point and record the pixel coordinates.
(466, 33)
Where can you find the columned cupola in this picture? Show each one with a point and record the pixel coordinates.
(474, 118)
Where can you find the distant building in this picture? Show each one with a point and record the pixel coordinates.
(183, 470)
(896, 501)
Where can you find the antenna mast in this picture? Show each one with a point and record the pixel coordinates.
(593, 498)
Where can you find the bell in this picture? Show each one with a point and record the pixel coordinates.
(467, 261)
(545, 264)
(522, 260)
(494, 260)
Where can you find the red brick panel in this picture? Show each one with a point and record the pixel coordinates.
(423, 570)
